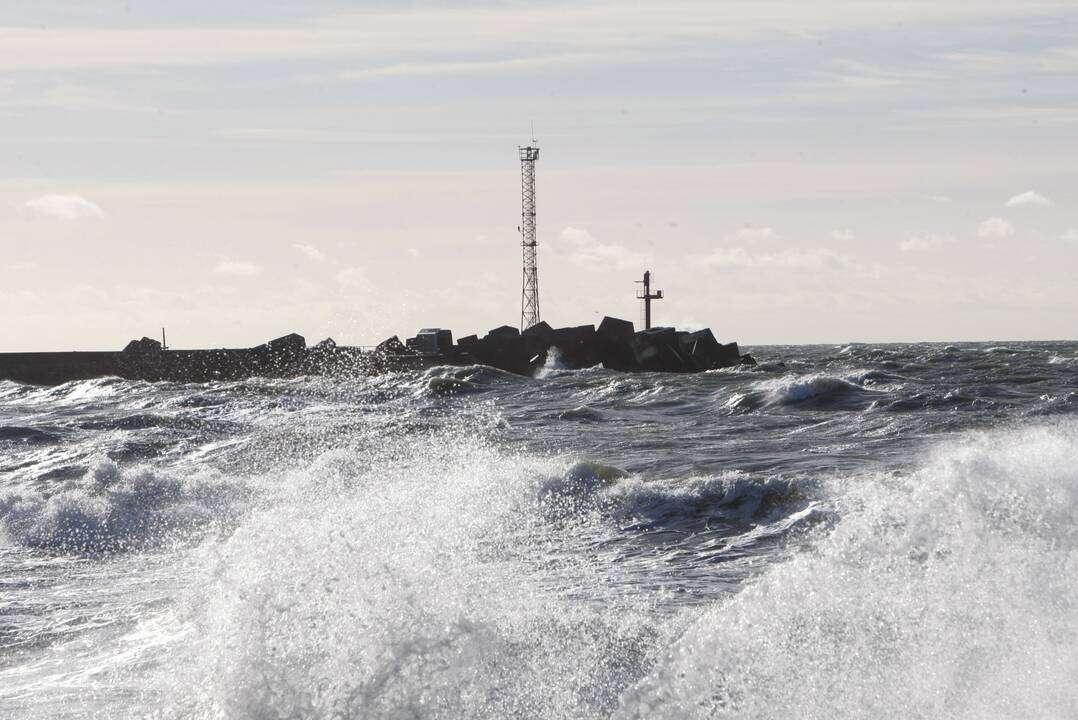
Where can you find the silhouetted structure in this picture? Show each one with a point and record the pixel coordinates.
(647, 297)
(529, 294)
(613, 345)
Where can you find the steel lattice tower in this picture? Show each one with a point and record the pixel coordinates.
(529, 296)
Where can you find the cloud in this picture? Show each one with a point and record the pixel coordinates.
(810, 259)
(232, 267)
(65, 207)
(924, 241)
(995, 227)
(1029, 199)
(583, 249)
(941, 198)
(451, 68)
(854, 74)
(751, 233)
(452, 36)
(1070, 234)
(843, 235)
(353, 277)
(311, 252)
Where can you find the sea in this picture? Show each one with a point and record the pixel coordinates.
(842, 531)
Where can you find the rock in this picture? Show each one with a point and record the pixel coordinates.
(432, 341)
(648, 347)
(504, 331)
(505, 352)
(614, 345)
(616, 330)
(540, 330)
(287, 344)
(731, 355)
(392, 346)
(144, 345)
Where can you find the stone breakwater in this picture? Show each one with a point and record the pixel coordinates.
(614, 345)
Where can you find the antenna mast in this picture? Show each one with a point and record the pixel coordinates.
(529, 296)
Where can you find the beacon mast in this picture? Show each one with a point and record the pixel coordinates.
(529, 295)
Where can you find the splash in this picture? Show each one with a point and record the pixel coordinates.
(552, 365)
(949, 592)
(404, 583)
(109, 510)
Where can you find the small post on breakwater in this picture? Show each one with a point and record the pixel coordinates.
(647, 297)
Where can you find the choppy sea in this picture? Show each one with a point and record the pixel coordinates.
(883, 531)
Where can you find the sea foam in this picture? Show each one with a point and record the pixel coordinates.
(948, 592)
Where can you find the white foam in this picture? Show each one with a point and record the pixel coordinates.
(552, 365)
(950, 593)
(110, 510)
(399, 584)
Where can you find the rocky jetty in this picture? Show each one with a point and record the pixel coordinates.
(614, 344)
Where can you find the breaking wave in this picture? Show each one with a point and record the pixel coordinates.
(816, 390)
(110, 510)
(948, 592)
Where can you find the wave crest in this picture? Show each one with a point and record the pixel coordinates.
(948, 592)
(111, 510)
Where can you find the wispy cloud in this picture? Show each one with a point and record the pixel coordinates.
(941, 198)
(310, 251)
(441, 67)
(854, 74)
(924, 241)
(843, 235)
(1028, 199)
(454, 34)
(353, 277)
(1070, 234)
(790, 259)
(64, 207)
(995, 227)
(233, 267)
(752, 234)
(583, 249)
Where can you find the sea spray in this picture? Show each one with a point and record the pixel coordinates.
(948, 592)
(414, 592)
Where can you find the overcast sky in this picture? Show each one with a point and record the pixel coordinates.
(790, 171)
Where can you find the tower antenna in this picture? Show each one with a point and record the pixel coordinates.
(529, 295)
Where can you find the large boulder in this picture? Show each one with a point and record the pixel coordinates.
(504, 331)
(511, 353)
(659, 350)
(432, 341)
(706, 352)
(614, 344)
(287, 344)
(616, 330)
(540, 330)
(391, 346)
(578, 346)
(145, 345)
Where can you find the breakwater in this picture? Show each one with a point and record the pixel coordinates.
(614, 344)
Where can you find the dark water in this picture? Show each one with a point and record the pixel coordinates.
(841, 532)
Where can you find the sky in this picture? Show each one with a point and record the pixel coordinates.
(790, 172)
